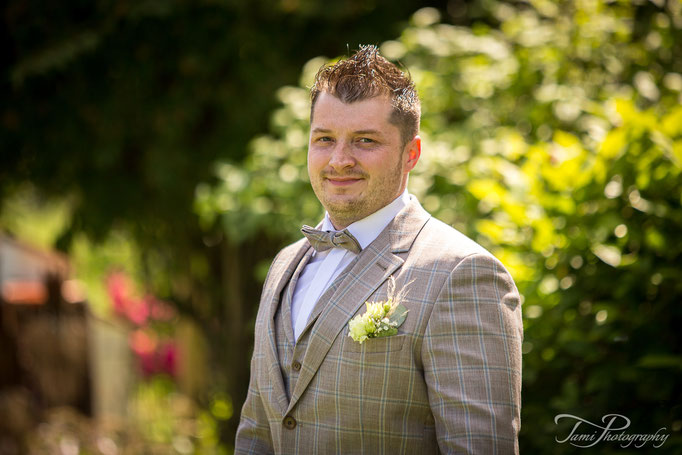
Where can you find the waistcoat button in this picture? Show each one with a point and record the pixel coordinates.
(296, 366)
(289, 423)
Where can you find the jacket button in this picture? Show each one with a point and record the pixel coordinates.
(289, 423)
(296, 366)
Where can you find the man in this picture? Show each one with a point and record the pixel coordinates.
(448, 379)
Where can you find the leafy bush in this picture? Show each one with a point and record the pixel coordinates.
(553, 136)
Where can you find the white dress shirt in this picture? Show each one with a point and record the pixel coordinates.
(323, 268)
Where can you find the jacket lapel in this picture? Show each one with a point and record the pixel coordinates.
(282, 272)
(371, 268)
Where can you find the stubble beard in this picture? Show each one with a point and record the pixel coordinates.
(375, 196)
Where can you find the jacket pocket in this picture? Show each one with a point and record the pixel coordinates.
(373, 345)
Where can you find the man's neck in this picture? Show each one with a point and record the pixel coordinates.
(366, 229)
(340, 225)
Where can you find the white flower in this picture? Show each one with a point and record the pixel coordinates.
(381, 318)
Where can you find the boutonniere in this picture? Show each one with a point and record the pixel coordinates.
(382, 318)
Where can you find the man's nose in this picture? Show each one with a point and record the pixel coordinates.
(341, 156)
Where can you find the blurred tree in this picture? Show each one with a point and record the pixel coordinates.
(120, 108)
(128, 104)
(553, 135)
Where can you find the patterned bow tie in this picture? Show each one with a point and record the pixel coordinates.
(324, 240)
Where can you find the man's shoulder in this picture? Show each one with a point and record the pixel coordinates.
(447, 242)
(442, 247)
(289, 251)
(436, 243)
(282, 260)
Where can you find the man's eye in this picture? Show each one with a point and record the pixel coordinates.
(324, 139)
(366, 140)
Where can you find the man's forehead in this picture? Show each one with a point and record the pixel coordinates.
(383, 97)
(329, 107)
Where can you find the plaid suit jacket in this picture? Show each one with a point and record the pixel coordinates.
(448, 382)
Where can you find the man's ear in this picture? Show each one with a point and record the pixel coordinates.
(413, 151)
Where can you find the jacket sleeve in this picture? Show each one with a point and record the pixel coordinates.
(253, 433)
(472, 359)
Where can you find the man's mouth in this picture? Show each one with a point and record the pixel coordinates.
(343, 181)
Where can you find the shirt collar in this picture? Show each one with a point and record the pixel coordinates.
(369, 228)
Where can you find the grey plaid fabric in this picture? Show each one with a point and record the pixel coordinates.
(285, 333)
(325, 240)
(449, 382)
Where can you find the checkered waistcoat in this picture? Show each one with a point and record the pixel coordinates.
(448, 382)
(291, 353)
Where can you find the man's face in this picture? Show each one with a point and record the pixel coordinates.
(356, 161)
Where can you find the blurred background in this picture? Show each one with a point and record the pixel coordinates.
(152, 162)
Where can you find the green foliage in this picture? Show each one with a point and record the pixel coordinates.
(124, 106)
(553, 136)
(166, 423)
(270, 191)
(113, 111)
(173, 422)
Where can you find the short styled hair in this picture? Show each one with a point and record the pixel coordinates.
(366, 74)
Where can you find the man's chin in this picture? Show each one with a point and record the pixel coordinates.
(344, 206)
(343, 198)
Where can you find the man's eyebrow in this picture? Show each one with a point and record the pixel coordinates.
(376, 132)
(325, 130)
